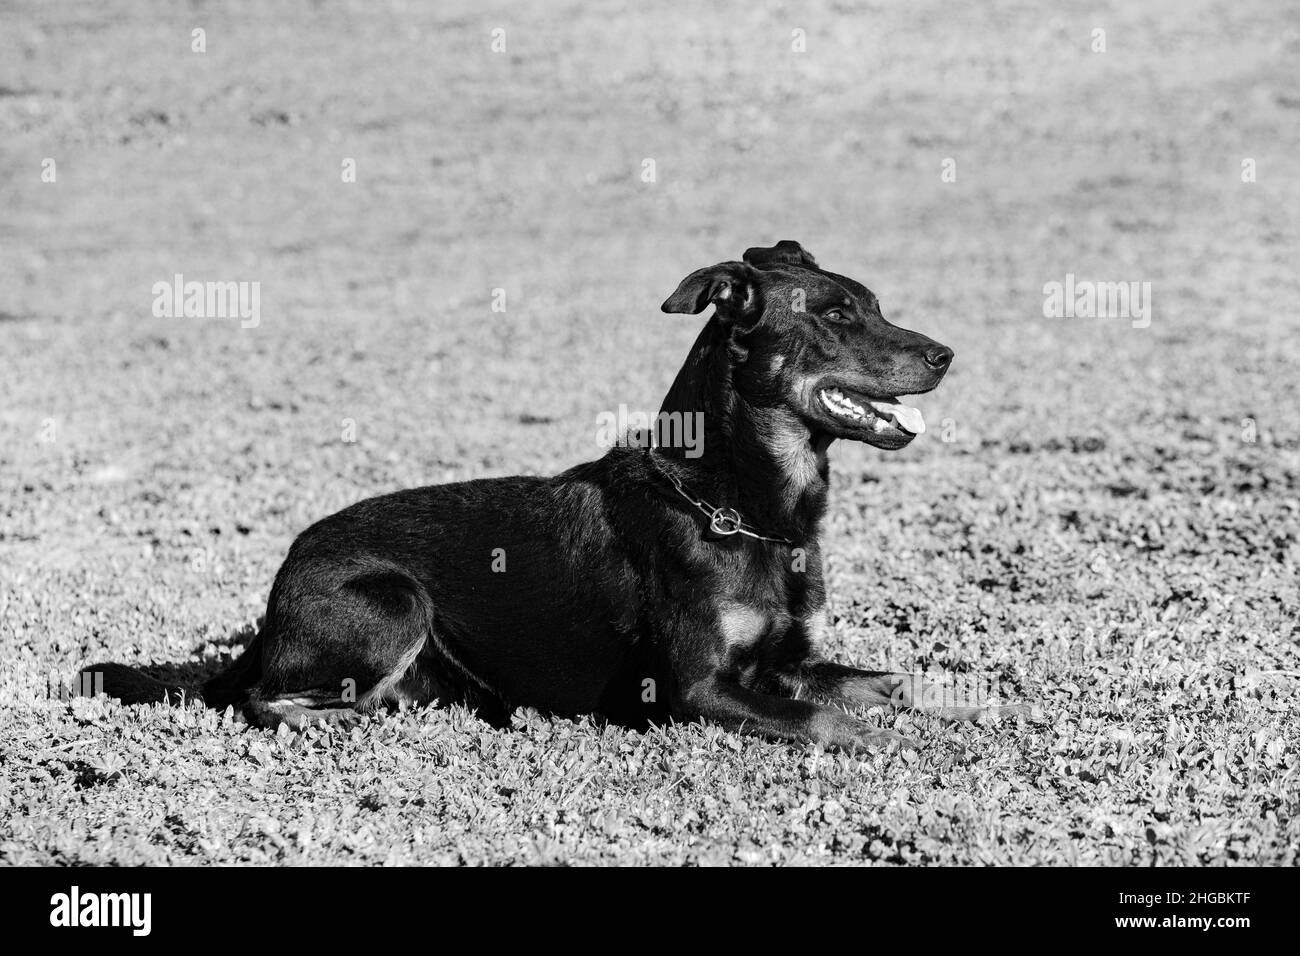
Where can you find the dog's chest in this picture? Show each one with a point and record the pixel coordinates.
(745, 626)
(748, 616)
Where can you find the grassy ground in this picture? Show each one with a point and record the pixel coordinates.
(1099, 534)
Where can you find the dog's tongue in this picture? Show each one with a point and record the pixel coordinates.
(905, 416)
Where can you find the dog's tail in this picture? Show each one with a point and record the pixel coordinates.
(131, 685)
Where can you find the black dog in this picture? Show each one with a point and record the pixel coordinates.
(647, 585)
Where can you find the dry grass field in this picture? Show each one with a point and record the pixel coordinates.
(1103, 518)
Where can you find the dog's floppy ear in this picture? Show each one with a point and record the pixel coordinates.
(785, 252)
(731, 286)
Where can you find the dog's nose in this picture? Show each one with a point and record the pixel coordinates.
(939, 356)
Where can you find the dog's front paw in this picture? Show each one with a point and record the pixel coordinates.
(1031, 713)
(873, 738)
(838, 729)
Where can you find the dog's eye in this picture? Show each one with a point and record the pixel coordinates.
(836, 315)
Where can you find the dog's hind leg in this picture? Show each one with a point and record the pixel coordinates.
(335, 653)
(300, 713)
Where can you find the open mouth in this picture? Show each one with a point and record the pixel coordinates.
(880, 416)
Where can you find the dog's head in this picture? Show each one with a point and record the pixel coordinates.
(815, 343)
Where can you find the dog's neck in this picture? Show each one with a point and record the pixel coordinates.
(761, 461)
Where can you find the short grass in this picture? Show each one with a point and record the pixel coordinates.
(1103, 518)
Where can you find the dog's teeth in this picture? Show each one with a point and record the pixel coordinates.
(841, 404)
(879, 425)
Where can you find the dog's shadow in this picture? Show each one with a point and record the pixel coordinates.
(168, 682)
(175, 683)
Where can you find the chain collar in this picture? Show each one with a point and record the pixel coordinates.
(722, 521)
